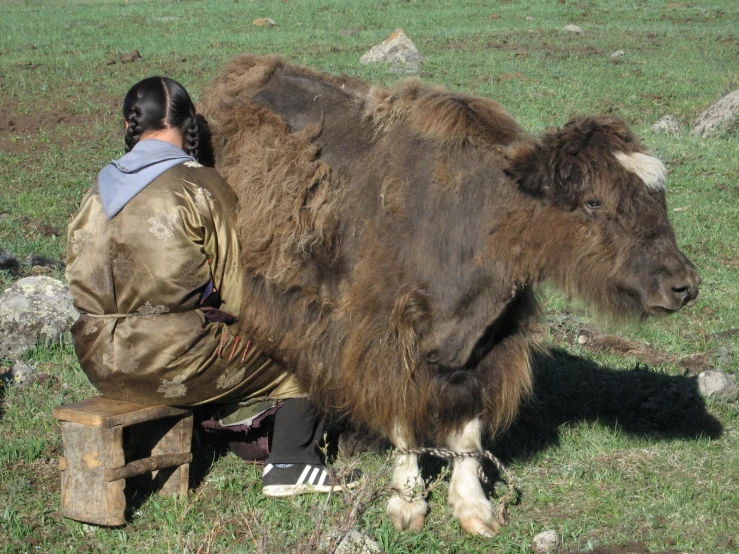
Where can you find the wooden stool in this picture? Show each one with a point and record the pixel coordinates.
(108, 441)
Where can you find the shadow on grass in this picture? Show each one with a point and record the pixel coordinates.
(641, 402)
(568, 390)
(207, 449)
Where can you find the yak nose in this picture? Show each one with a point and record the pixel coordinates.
(679, 289)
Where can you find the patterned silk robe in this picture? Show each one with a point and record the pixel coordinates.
(140, 281)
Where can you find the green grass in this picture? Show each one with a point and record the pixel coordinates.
(608, 453)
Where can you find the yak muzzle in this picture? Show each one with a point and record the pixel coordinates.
(675, 289)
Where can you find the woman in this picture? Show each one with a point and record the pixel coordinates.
(154, 269)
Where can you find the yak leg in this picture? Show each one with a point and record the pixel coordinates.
(469, 502)
(406, 510)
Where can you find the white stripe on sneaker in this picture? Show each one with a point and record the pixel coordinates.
(267, 469)
(324, 474)
(311, 480)
(303, 475)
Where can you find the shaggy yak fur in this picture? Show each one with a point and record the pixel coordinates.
(393, 239)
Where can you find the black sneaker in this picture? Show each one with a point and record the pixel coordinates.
(295, 479)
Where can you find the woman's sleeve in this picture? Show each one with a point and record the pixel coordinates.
(221, 246)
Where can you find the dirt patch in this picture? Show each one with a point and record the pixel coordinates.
(21, 127)
(564, 327)
(546, 48)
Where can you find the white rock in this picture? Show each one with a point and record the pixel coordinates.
(353, 542)
(667, 124)
(717, 385)
(572, 29)
(545, 543)
(398, 51)
(618, 54)
(34, 310)
(720, 118)
(261, 21)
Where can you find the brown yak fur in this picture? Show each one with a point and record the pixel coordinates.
(392, 237)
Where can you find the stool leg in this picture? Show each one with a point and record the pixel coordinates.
(176, 440)
(86, 496)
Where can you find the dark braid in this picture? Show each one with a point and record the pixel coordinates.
(193, 138)
(133, 132)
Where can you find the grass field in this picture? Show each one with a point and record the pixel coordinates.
(614, 449)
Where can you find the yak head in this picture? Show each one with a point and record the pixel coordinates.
(603, 222)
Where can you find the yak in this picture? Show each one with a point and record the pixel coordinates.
(394, 239)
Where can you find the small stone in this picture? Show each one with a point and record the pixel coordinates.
(262, 21)
(111, 61)
(545, 543)
(20, 374)
(717, 385)
(618, 54)
(40, 270)
(721, 118)
(667, 124)
(132, 57)
(681, 209)
(572, 29)
(529, 18)
(396, 50)
(584, 337)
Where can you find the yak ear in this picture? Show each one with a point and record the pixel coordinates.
(528, 168)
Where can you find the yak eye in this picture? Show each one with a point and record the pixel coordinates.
(593, 204)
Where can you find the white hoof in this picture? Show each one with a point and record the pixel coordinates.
(477, 517)
(407, 516)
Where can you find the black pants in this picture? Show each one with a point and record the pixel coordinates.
(298, 430)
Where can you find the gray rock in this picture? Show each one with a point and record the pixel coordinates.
(618, 54)
(398, 51)
(720, 118)
(717, 385)
(353, 542)
(572, 29)
(34, 310)
(667, 124)
(20, 374)
(545, 543)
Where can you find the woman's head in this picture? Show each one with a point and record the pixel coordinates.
(159, 103)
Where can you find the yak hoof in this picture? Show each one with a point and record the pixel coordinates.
(407, 516)
(476, 526)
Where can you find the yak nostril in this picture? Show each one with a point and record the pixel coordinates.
(681, 290)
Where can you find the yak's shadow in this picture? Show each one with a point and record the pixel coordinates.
(641, 402)
(569, 389)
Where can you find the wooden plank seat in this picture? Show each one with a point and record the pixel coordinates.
(109, 441)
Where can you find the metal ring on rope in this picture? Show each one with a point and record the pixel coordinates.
(449, 455)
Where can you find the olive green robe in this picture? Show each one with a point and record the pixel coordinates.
(140, 281)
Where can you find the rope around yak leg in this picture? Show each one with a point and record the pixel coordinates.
(449, 455)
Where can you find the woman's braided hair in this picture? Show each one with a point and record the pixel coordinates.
(158, 103)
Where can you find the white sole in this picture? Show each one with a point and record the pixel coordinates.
(281, 491)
